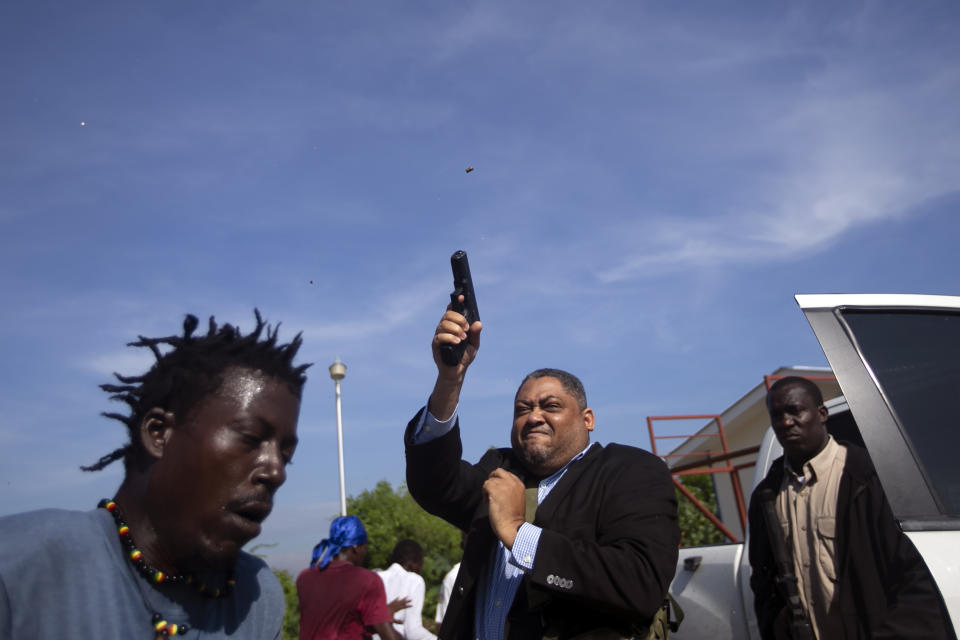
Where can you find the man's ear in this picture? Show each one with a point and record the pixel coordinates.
(588, 418)
(156, 427)
(824, 413)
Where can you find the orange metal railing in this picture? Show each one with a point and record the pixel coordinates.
(702, 465)
(704, 461)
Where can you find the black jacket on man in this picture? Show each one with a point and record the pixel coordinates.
(607, 553)
(883, 589)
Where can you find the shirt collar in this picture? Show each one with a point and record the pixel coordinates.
(549, 480)
(816, 466)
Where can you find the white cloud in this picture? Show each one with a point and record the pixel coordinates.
(844, 155)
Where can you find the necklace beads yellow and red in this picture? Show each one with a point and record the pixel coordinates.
(162, 628)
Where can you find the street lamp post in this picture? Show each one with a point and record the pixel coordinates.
(337, 372)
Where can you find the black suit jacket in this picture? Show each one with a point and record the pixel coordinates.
(607, 553)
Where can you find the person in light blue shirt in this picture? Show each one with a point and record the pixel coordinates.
(567, 538)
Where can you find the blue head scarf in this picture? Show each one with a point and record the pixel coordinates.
(345, 531)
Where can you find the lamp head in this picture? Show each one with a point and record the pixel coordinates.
(338, 370)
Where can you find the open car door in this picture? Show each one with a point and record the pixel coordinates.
(897, 359)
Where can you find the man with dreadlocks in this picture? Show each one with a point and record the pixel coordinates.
(211, 427)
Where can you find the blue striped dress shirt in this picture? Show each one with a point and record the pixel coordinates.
(498, 588)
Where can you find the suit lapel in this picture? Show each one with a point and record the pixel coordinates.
(569, 480)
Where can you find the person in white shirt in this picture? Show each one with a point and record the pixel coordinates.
(402, 580)
(446, 589)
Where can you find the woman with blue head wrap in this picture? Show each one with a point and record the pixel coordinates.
(345, 532)
(340, 599)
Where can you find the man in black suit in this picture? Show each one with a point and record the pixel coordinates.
(567, 539)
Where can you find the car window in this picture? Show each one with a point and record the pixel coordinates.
(915, 358)
(844, 428)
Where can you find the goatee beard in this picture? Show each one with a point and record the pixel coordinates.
(533, 458)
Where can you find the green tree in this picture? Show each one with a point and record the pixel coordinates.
(291, 618)
(391, 515)
(695, 529)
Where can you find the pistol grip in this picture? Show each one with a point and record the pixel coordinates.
(452, 354)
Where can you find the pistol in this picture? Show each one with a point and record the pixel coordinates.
(451, 354)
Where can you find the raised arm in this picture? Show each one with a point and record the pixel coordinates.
(452, 329)
(437, 478)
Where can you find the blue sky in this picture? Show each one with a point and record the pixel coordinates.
(653, 182)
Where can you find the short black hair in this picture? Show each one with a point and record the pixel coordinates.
(193, 369)
(406, 552)
(808, 385)
(570, 383)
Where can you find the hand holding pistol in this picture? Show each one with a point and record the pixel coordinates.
(451, 354)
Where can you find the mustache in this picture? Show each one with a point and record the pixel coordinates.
(258, 500)
(538, 428)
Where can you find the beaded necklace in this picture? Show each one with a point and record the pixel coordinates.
(162, 628)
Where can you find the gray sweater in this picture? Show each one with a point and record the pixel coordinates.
(64, 574)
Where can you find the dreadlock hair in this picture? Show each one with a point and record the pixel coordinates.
(193, 369)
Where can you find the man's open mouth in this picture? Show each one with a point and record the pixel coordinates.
(256, 512)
